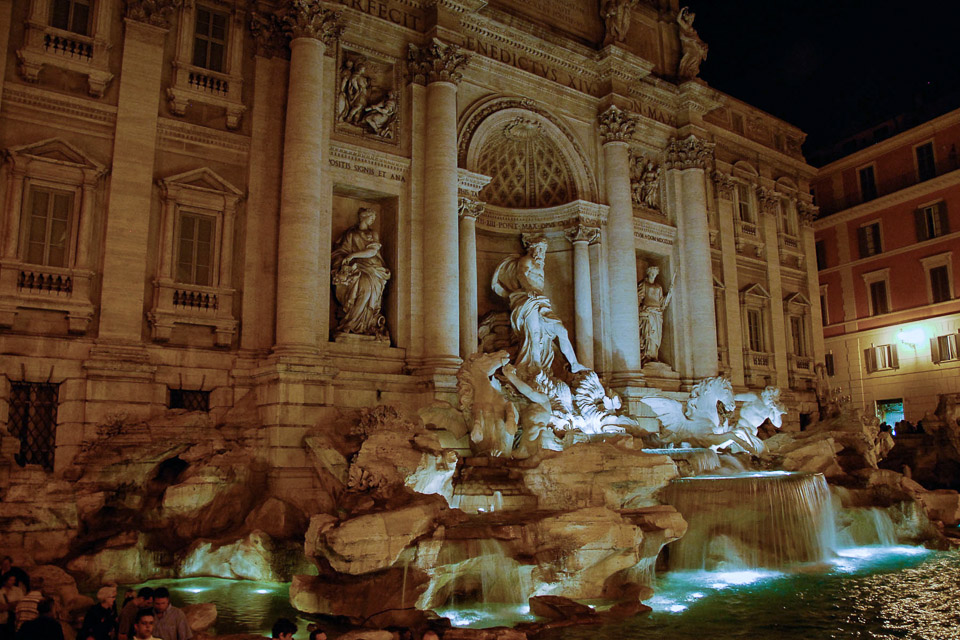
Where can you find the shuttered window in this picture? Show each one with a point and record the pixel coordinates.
(878, 297)
(940, 284)
(195, 249)
(931, 221)
(48, 227)
(881, 358)
(868, 183)
(210, 39)
(926, 166)
(868, 239)
(944, 348)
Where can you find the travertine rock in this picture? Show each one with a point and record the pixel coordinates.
(559, 608)
(599, 475)
(357, 596)
(278, 519)
(200, 617)
(254, 557)
(942, 505)
(128, 563)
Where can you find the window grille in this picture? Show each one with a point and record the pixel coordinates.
(189, 399)
(33, 420)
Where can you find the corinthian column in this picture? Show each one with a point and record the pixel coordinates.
(439, 66)
(470, 210)
(311, 27)
(581, 236)
(616, 128)
(686, 162)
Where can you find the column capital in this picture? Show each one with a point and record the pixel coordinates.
(268, 36)
(724, 184)
(582, 233)
(807, 212)
(616, 125)
(310, 19)
(470, 208)
(689, 153)
(767, 198)
(153, 12)
(438, 61)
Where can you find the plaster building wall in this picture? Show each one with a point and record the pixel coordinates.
(916, 212)
(265, 149)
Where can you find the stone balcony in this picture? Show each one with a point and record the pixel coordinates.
(176, 303)
(25, 286)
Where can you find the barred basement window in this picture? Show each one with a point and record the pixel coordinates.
(33, 420)
(189, 399)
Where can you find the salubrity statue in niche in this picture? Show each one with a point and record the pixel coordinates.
(360, 276)
(652, 303)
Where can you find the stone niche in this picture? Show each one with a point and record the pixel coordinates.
(492, 248)
(670, 330)
(347, 201)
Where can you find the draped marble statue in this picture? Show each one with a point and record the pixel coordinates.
(652, 302)
(360, 276)
(520, 279)
(694, 49)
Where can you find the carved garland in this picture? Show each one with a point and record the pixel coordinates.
(768, 200)
(436, 62)
(616, 125)
(724, 184)
(153, 12)
(689, 153)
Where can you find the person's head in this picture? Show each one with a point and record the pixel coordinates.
(5, 563)
(283, 629)
(652, 273)
(367, 216)
(144, 597)
(538, 248)
(161, 599)
(318, 634)
(107, 596)
(45, 607)
(430, 635)
(143, 624)
(8, 580)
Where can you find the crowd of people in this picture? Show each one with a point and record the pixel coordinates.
(27, 614)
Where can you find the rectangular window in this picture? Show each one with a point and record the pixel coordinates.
(210, 39)
(755, 330)
(823, 309)
(868, 237)
(940, 283)
(878, 297)
(799, 335)
(195, 249)
(33, 421)
(786, 215)
(946, 348)
(48, 227)
(881, 358)
(828, 363)
(931, 221)
(821, 255)
(737, 120)
(189, 399)
(926, 167)
(743, 203)
(868, 183)
(71, 15)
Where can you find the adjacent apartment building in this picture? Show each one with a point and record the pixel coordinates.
(888, 230)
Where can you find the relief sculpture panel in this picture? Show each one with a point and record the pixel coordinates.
(367, 100)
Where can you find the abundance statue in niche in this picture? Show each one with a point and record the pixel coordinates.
(694, 49)
(652, 303)
(360, 276)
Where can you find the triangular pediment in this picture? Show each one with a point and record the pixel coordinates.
(796, 298)
(756, 289)
(56, 150)
(204, 179)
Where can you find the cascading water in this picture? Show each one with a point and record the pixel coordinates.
(691, 461)
(865, 526)
(752, 520)
(476, 571)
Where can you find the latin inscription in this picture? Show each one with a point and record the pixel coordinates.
(525, 63)
(367, 170)
(577, 17)
(386, 11)
(649, 111)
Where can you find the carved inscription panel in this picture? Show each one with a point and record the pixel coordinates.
(580, 18)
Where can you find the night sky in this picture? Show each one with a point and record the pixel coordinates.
(831, 67)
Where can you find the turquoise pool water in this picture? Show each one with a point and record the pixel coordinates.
(875, 593)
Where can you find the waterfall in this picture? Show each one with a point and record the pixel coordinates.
(752, 520)
(691, 461)
(476, 571)
(857, 527)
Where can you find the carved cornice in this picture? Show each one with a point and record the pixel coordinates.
(767, 198)
(582, 233)
(456, 6)
(470, 208)
(689, 153)
(268, 35)
(436, 62)
(807, 213)
(310, 19)
(616, 125)
(554, 218)
(469, 184)
(724, 185)
(152, 12)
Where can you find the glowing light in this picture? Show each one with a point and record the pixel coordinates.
(262, 591)
(196, 589)
(677, 608)
(912, 336)
(696, 595)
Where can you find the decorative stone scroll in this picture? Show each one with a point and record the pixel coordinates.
(689, 153)
(154, 12)
(470, 208)
(436, 62)
(645, 182)
(807, 213)
(724, 184)
(616, 125)
(582, 233)
(768, 199)
(310, 19)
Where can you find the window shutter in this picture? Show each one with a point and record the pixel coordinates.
(894, 360)
(944, 218)
(870, 358)
(920, 224)
(935, 350)
(862, 241)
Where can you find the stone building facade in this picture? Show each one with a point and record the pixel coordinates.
(885, 244)
(177, 177)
